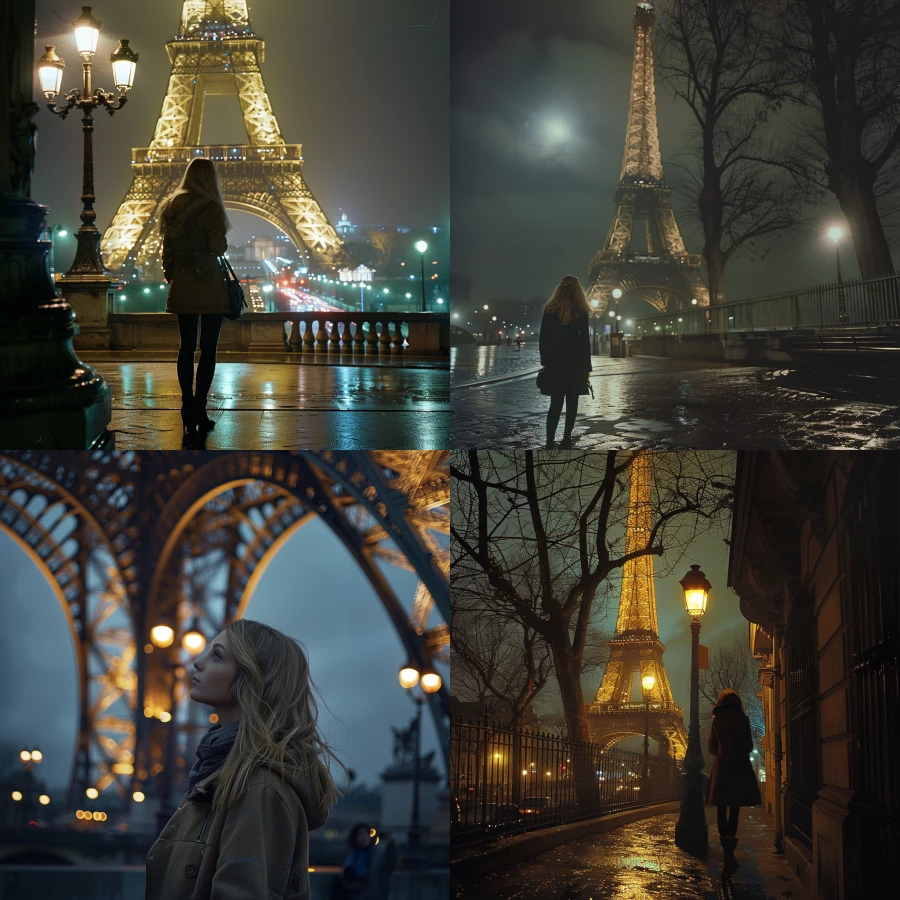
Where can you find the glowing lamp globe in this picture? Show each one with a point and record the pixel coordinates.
(617, 294)
(421, 246)
(36, 755)
(25, 756)
(409, 676)
(138, 796)
(87, 32)
(431, 682)
(50, 72)
(696, 592)
(162, 635)
(194, 640)
(648, 681)
(835, 233)
(124, 64)
(44, 799)
(92, 793)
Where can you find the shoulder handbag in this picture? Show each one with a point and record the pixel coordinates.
(236, 301)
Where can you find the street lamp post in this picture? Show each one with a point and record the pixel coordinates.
(88, 260)
(486, 323)
(415, 858)
(421, 246)
(691, 832)
(647, 682)
(617, 296)
(54, 231)
(594, 304)
(836, 234)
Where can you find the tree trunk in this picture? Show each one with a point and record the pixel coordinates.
(715, 273)
(856, 195)
(568, 676)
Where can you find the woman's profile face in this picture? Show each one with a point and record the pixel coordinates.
(214, 673)
(362, 838)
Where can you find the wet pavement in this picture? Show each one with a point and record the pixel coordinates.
(661, 404)
(640, 861)
(283, 406)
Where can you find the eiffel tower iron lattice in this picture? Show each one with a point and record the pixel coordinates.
(127, 538)
(666, 275)
(217, 52)
(636, 646)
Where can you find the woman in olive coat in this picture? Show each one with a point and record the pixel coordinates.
(565, 347)
(260, 783)
(732, 783)
(193, 226)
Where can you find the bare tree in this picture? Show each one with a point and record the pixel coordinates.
(843, 59)
(385, 242)
(534, 536)
(739, 177)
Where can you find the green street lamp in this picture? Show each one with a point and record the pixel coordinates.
(691, 833)
(421, 246)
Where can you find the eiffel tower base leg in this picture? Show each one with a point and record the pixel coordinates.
(48, 397)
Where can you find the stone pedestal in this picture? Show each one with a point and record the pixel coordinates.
(397, 799)
(91, 299)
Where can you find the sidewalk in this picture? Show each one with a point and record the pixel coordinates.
(640, 860)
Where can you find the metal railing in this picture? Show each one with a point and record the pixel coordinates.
(506, 781)
(850, 304)
(223, 153)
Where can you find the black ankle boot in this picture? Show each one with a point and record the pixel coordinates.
(188, 419)
(204, 422)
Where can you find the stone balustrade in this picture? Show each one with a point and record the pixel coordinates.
(360, 334)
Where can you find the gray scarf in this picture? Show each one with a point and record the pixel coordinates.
(212, 752)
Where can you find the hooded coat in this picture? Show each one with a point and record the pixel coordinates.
(194, 238)
(732, 782)
(258, 848)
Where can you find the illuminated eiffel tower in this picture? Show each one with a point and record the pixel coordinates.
(217, 52)
(666, 275)
(636, 646)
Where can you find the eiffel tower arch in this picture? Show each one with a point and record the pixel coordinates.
(217, 52)
(666, 276)
(636, 646)
(125, 538)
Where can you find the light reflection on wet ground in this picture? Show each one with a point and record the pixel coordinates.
(640, 861)
(660, 403)
(282, 406)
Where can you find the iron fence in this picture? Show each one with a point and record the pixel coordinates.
(850, 304)
(508, 781)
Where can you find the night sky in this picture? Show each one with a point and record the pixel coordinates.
(539, 102)
(310, 590)
(358, 84)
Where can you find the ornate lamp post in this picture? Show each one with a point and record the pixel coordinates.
(836, 233)
(421, 246)
(617, 296)
(647, 682)
(88, 284)
(691, 832)
(50, 68)
(431, 683)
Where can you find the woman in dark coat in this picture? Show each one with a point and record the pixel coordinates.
(193, 226)
(565, 346)
(732, 783)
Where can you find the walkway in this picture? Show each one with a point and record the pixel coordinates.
(278, 405)
(662, 404)
(641, 862)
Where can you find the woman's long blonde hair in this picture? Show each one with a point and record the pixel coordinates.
(200, 180)
(568, 301)
(278, 715)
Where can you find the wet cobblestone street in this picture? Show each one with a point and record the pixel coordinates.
(640, 861)
(659, 404)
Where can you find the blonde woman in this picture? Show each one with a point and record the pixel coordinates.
(193, 224)
(259, 785)
(565, 347)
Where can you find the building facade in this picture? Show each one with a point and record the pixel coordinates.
(815, 560)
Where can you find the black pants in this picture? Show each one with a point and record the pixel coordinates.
(728, 823)
(209, 327)
(570, 397)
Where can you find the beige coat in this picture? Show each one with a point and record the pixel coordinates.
(259, 848)
(194, 237)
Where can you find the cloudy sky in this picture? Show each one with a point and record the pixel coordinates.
(363, 86)
(311, 591)
(539, 101)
